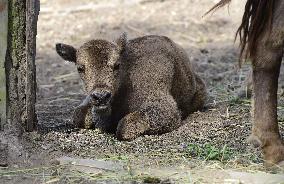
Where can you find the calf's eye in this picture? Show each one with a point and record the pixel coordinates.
(81, 68)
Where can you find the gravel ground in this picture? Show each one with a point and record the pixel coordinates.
(224, 124)
(208, 41)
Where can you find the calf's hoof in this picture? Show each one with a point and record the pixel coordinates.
(130, 127)
(78, 118)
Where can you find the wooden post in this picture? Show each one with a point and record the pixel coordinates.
(31, 32)
(20, 65)
(3, 47)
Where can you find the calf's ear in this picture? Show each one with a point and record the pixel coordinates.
(67, 52)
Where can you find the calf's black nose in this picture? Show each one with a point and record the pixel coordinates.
(101, 96)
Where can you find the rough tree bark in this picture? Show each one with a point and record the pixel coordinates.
(18, 22)
(20, 65)
(32, 11)
(3, 45)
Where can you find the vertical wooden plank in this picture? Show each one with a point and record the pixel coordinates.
(15, 66)
(3, 47)
(20, 65)
(32, 11)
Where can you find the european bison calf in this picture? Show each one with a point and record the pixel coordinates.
(141, 86)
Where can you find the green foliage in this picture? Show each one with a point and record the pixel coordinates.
(209, 152)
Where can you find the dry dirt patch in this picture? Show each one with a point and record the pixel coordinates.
(215, 137)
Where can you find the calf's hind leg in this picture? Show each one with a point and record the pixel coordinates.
(200, 96)
(156, 115)
(265, 131)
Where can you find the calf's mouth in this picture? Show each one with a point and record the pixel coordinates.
(101, 105)
(101, 99)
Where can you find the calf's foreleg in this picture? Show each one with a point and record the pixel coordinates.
(81, 112)
(156, 115)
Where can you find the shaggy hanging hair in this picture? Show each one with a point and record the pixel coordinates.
(257, 18)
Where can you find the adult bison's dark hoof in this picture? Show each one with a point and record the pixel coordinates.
(274, 155)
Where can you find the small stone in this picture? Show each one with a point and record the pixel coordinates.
(3, 164)
(54, 162)
(204, 51)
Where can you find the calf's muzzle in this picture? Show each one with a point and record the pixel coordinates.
(101, 97)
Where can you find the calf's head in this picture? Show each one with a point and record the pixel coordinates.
(98, 63)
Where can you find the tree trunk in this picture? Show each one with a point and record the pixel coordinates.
(20, 65)
(3, 46)
(32, 11)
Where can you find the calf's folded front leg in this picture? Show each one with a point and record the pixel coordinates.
(81, 112)
(157, 115)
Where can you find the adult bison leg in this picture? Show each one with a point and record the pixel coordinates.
(265, 132)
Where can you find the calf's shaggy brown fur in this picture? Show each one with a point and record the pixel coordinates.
(262, 40)
(141, 86)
